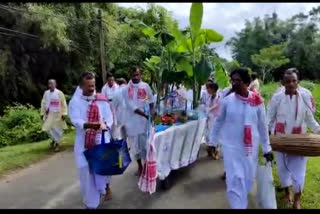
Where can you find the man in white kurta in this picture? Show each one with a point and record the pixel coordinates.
(119, 104)
(92, 186)
(244, 112)
(110, 88)
(54, 110)
(138, 95)
(291, 115)
(209, 103)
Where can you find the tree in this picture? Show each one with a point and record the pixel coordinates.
(270, 58)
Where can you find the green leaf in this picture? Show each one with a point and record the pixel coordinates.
(184, 65)
(166, 38)
(203, 70)
(196, 13)
(155, 60)
(138, 24)
(206, 36)
(220, 75)
(148, 31)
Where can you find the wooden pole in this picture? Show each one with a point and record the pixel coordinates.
(102, 51)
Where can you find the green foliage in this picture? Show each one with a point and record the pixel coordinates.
(308, 85)
(21, 124)
(220, 75)
(270, 58)
(300, 32)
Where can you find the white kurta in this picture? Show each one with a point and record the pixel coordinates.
(78, 92)
(282, 108)
(120, 106)
(91, 184)
(240, 169)
(136, 125)
(53, 107)
(109, 91)
(207, 103)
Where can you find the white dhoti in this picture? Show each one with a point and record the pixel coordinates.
(92, 186)
(138, 144)
(54, 126)
(240, 177)
(291, 170)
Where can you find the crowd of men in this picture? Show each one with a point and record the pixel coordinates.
(240, 106)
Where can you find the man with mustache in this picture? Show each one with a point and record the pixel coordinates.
(244, 111)
(291, 113)
(90, 113)
(137, 94)
(54, 110)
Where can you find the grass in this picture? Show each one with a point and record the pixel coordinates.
(311, 195)
(23, 155)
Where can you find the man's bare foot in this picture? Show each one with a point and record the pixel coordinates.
(57, 149)
(296, 204)
(288, 197)
(108, 195)
(215, 155)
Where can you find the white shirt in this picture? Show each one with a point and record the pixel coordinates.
(120, 106)
(109, 92)
(52, 100)
(136, 124)
(78, 110)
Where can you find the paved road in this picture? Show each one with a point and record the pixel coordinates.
(53, 183)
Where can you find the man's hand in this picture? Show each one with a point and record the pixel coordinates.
(268, 156)
(141, 113)
(103, 126)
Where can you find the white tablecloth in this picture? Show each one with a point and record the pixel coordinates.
(178, 146)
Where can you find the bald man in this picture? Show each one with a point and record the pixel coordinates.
(54, 110)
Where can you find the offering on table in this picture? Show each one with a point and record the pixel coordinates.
(168, 119)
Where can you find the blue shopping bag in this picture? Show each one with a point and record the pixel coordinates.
(108, 158)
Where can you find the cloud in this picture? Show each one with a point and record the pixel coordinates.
(228, 18)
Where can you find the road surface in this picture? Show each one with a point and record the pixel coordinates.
(53, 184)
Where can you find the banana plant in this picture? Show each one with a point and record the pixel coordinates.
(197, 66)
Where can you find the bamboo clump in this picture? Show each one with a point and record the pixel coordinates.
(297, 144)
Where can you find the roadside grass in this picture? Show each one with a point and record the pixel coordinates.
(20, 156)
(311, 195)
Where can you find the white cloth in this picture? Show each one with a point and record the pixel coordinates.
(138, 144)
(91, 184)
(282, 108)
(240, 169)
(56, 134)
(119, 105)
(52, 100)
(92, 187)
(178, 146)
(108, 91)
(78, 92)
(136, 124)
(211, 108)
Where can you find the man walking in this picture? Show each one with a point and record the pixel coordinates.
(137, 95)
(54, 110)
(291, 113)
(90, 113)
(244, 111)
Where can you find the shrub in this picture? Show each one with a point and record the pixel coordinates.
(21, 124)
(308, 85)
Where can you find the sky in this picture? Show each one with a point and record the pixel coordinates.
(229, 18)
